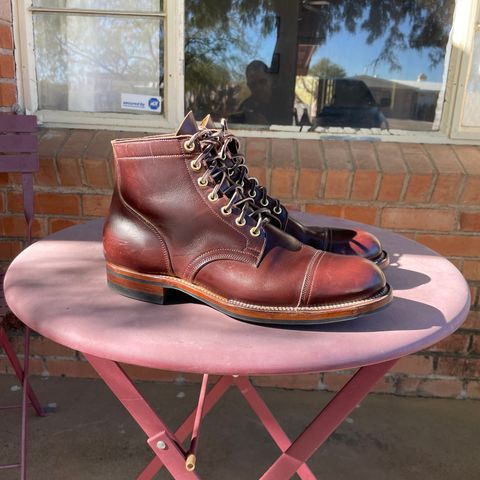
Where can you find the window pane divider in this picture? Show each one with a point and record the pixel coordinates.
(82, 11)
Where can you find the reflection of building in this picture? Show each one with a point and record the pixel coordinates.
(405, 99)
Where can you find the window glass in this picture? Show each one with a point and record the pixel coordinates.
(99, 63)
(114, 5)
(339, 63)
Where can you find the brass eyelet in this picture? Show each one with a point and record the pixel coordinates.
(254, 232)
(240, 221)
(278, 210)
(213, 197)
(202, 182)
(226, 211)
(263, 204)
(195, 166)
(189, 147)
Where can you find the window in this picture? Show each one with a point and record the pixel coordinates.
(103, 58)
(325, 66)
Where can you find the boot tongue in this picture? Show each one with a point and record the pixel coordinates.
(188, 126)
(207, 122)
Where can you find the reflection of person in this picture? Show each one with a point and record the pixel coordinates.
(256, 108)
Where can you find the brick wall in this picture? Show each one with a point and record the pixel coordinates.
(428, 192)
(8, 88)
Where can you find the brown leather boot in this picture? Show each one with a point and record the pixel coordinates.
(335, 240)
(177, 221)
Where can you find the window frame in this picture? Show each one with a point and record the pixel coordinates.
(173, 67)
(450, 128)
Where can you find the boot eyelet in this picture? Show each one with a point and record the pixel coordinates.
(252, 195)
(202, 182)
(254, 232)
(264, 203)
(240, 221)
(189, 147)
(213, 197)
(226, 211)
(278, 210)
(195, 166)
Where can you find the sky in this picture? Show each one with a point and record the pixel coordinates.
(352, 52)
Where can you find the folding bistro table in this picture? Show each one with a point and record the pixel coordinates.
(58, 288)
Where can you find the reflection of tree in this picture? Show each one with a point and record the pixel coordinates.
(326, 68)
(214, 32)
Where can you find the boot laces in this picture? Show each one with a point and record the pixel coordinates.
(238, 171)
(214, 145)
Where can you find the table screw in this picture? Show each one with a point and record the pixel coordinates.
(161, 445)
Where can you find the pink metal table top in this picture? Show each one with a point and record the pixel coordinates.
(58, 288)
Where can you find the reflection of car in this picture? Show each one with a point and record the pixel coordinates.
(347, 103)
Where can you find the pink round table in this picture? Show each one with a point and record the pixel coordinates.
(58, 288)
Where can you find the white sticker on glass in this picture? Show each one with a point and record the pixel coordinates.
(134, 101)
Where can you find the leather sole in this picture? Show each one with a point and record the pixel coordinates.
(151, 288)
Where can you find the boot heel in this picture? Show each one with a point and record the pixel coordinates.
(126, 284)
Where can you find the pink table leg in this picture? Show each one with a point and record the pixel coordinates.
(163, 442)
(326, 421)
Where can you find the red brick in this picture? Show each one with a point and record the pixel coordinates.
(4, 178)
(418, 188)
(471, 191)
(2, 202)
(6, 10)
(414, 365)
(337, 184)
(473, 390)
(51, 140)
(360, 214)
(310, 154)
(476, 345)
(330, 210)
(96, 172)
(57, 224)
(364, 156)
(53, 203)
(283, 153)
(407, 385)
(337, 155)
(42, 346)
(36, 365)
(69, 172)
(15, 226)
(469, 157)
(334, 381)
(6, 39)
(282, 182)
(8, 94)
(70, 368)
(46, 175)
(470, 221)
(473, 321)
(471, 270)
(458, 367)
(446, 188)
(300, 382)
(259, 173)
(444, 159)
(309, 182)
(440, 388)
(136, 372)
(257, 152)
(7, 66)
(456, 343)
(385, 385)
(364, 185)
(76, 144)
(416, 158)
(100, 147)
(418, 218)
(9, 249)
(452, 245)
(390, 158)
(96, 205)
(391, 187)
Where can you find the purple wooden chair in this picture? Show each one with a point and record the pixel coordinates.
(18, 153)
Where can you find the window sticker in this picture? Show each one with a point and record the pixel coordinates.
(134, 101)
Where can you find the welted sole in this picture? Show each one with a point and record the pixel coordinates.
(382, 261)
(151, 288)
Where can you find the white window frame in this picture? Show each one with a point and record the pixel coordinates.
(173, 84)
(450, 129)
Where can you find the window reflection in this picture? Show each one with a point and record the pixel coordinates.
(339, 63)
